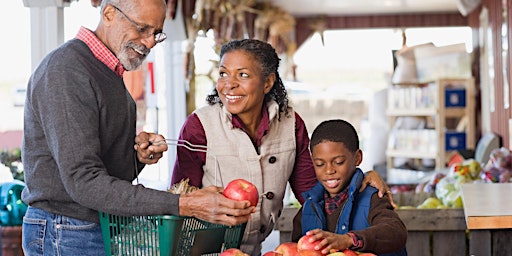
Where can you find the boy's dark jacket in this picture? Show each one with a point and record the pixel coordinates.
(354, 217)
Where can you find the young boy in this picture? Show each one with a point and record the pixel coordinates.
(335, 212)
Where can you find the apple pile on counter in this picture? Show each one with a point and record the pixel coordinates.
(302, 248)
(240, 189)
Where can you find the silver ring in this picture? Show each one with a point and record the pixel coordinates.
(151, 156)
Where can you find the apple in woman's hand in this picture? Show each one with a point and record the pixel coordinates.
(240, 189)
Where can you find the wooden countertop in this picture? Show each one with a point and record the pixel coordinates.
(487, 205)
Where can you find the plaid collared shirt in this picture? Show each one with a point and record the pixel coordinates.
(100, 51)
(332, 203)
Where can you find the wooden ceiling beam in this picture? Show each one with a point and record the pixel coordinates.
(304, 30)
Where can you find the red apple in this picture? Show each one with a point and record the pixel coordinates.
(271, 253)
(349, 252)
(309, 253)
(287, 249)
(233, 252)
(304, 244)
(241, 189)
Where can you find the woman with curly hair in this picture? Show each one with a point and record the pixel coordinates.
(251, 133)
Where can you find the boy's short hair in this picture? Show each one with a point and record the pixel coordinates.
(335, 130)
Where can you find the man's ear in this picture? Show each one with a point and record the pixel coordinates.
(108, 14)
(269, 83)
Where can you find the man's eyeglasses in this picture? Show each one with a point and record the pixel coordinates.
(144, 30)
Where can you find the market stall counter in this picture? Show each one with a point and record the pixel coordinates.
(488, 213)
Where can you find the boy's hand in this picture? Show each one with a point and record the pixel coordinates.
(373, 179)
(329, 241)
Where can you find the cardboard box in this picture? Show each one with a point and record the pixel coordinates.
(445, 61)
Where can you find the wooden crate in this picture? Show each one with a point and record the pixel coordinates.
(410, 198)
(435, 231)
(11, 241)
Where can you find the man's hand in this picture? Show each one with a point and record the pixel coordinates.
(373, 179)
(149, 147)
(210, 205)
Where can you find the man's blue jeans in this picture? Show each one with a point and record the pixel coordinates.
(46, 233)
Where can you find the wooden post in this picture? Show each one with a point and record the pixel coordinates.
(11, 241)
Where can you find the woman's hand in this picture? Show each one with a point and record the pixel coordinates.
(149, 147)
(373, 179)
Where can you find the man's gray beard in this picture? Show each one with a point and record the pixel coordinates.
(132, 63)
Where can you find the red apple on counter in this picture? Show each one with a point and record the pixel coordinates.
(304, 244)
(349, 252)
(309, 253)
(336, 254)
(271, 253)
(233, 252)
(240, 189)
(287, 249)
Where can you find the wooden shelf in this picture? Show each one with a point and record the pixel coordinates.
(411, 112)
(410, 154)
(455, 112)
(440, 116)
(449, 112)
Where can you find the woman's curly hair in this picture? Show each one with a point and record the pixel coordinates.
(266, 55)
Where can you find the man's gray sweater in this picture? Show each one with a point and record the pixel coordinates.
(79, 131)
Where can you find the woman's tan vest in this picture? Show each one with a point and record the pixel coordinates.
(231, 155)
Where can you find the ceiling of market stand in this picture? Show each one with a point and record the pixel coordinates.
(286, 24)
(358, 7)
(339, 7)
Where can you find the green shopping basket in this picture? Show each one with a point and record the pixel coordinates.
(166, 235)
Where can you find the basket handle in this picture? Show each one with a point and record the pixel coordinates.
(186, 144)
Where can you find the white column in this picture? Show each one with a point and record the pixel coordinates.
(166, 114)
(47, 27)
(173, 109)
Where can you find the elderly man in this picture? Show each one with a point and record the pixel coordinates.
(80, 148)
